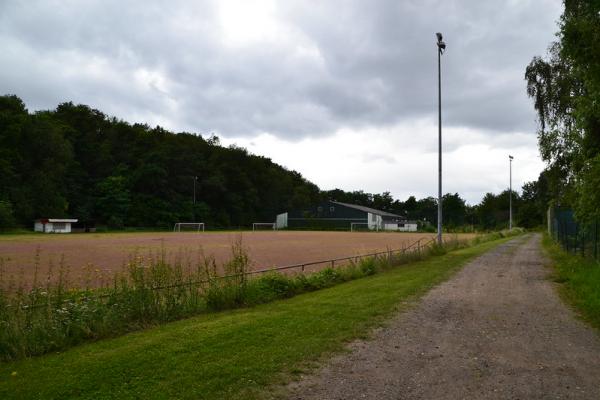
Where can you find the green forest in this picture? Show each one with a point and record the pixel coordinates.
(77, 162)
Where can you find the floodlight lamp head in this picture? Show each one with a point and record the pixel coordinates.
(440, 43)
(510, 157)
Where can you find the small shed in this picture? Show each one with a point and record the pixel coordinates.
(53, 225)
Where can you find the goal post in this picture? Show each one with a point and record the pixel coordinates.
(189, 226)
(263, 226)
(359, 226)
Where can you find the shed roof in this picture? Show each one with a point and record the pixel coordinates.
(59, 220)
(369, 210)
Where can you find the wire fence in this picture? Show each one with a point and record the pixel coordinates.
(574, 237)
(417, 247)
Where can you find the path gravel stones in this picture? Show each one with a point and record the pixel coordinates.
(497, 330)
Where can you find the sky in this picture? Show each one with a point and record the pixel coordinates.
(342, 91)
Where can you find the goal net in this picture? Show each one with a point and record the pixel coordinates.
(359, 226)
(189, 227)
(264, 226)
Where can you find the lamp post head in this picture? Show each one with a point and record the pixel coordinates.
(440, 43)
(510, 157)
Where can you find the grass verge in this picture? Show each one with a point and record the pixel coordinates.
(579, 279)
(233, 354)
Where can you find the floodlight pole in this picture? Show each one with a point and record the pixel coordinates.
(441, 47)
(510, 159)
(194, 203)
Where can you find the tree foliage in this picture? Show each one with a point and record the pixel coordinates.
(565, 88)
(75, 161)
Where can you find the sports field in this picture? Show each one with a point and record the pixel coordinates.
(107, 253)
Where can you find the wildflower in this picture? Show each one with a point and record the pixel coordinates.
(14, 373)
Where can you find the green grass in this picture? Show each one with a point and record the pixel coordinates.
(579, 279)
(233, 354)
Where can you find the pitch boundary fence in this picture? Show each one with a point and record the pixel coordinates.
(415, 247)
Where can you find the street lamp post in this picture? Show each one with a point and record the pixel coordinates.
(441, 47)
(510, 159)
(195, 179)
(194, 203)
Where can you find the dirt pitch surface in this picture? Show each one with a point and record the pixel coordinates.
(106, 254)
(497, 330)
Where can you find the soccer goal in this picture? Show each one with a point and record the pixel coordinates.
(359, 226)
(261, 226)
(189, 227)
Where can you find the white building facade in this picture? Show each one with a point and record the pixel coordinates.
(53, 225)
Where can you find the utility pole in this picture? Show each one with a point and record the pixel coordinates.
(441, 47)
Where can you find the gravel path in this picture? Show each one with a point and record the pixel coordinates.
(497, 330)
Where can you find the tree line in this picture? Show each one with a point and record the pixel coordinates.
(491, 213)
(77, 162)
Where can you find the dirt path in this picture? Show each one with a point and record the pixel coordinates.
(497, 330)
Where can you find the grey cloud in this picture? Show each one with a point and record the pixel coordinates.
(374, 63)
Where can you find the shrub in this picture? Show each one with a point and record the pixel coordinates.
(269, 287)
(437, 250)
(368, 266)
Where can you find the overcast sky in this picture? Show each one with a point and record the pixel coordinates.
(344, 92)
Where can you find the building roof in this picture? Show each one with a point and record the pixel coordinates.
(369, 210)
(59, 220)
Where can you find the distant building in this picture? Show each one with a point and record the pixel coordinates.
(53, 225)
(343, 216)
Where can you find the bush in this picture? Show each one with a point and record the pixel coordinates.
(437, 250)
(368, 266)
(269, 287)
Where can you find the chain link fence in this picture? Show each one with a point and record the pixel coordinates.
(574, 237)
